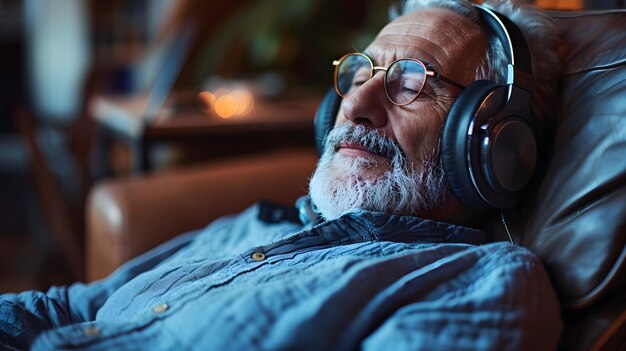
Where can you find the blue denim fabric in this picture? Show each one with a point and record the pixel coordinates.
(367, 280)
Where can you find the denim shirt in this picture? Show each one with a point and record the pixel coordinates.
(364, 281)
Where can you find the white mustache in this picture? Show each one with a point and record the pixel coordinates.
(372, 141)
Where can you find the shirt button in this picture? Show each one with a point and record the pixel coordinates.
(160, 308)
(91, 331)
(258, 256)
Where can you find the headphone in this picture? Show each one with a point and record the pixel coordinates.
(488, 143)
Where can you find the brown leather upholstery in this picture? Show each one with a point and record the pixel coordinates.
(129, 216)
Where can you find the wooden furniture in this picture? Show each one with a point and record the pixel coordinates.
(286, 122)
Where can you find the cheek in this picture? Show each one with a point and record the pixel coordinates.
(417, 129)
(420, 132)
(340, 117)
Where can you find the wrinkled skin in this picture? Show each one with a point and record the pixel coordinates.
(454, 46)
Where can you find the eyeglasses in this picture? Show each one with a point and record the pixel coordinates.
(404, 78)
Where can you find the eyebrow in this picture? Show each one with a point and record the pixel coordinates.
(426, 63)
(435, 84)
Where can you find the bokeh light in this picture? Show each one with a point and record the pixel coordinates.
(205, 101)
(225, 106)
(245, 101)
(225, 103)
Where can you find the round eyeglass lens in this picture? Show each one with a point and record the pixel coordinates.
(353, 71)
(404, 81)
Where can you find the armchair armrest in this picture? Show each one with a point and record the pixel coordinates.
(126, 217)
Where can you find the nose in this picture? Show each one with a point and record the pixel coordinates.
(366, 105)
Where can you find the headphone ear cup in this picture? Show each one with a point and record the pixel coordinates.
(456, 141)
(325, 118)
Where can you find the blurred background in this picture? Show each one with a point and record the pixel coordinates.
(96, 89)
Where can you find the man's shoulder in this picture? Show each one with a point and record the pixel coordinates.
(504, 258)
(505, 251)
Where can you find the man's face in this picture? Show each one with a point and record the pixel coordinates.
(454, 47)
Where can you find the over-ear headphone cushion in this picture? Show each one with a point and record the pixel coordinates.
(455, 147)
(325, 118)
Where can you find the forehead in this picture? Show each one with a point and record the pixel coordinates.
(437, 36)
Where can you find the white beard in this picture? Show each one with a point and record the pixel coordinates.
(341, 186)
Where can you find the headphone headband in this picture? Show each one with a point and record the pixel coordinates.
(519, 70)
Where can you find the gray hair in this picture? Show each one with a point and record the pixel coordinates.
(538, 30)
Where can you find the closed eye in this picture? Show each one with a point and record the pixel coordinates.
(409, 90)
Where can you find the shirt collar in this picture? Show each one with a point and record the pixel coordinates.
(362, 225)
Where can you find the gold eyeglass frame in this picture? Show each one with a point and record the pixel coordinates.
(428, 73)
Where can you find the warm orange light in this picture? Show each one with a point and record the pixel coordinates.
(225, 103)
(225, 106)
(560, 4)
(205, 101)
(245, 102)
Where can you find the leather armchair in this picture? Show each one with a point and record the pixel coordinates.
(128, 217)
(575, 222)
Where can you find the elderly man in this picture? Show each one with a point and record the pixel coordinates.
(393, 262)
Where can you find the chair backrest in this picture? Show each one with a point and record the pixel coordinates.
(577, 224)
